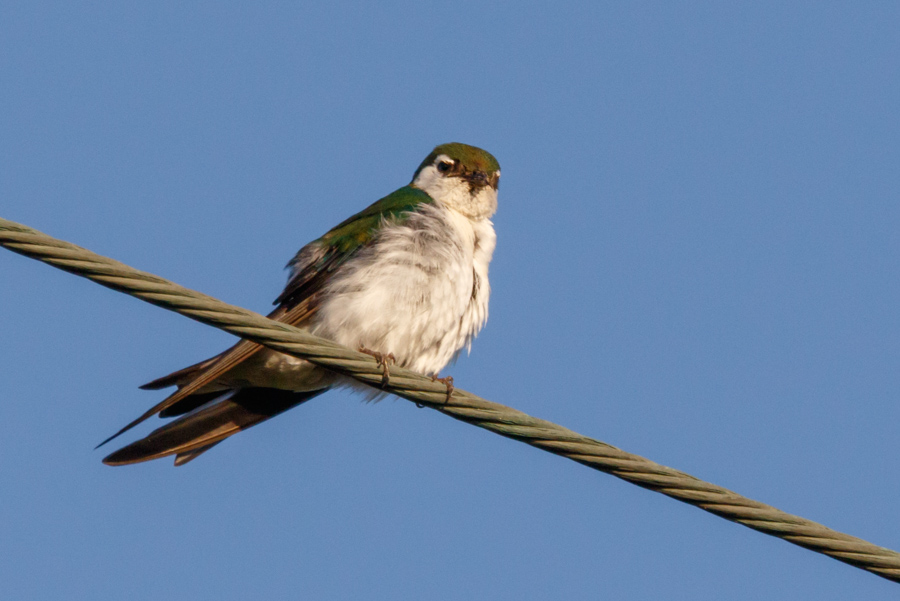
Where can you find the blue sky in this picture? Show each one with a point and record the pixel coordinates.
(697, 262)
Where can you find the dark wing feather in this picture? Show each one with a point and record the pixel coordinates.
(196, 432)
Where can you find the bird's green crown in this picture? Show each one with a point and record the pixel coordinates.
(470, 158)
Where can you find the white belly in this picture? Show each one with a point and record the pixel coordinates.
(419, 292)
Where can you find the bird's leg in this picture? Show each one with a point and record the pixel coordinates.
(385, 361)
(448, 382)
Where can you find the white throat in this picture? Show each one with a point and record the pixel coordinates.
(454, 192)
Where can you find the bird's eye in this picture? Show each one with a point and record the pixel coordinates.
(444, 166)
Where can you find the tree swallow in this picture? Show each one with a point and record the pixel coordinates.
(405, 280)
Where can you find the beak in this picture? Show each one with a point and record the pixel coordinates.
(479, 179)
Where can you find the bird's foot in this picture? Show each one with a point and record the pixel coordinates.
(385, 361)
(448, 382)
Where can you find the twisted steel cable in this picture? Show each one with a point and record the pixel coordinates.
(460, 404)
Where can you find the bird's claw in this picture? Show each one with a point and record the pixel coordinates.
(448, 382)
(385, 361)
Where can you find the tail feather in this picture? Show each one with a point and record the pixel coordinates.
(190, 403)
(181, 376)
(182, 458)
(194, 433)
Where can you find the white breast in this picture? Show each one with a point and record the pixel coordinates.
(420, 291)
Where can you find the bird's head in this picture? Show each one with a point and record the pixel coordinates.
(461, 177)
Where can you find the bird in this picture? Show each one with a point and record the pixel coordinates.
(405, 280)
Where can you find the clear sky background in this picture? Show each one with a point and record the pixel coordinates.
(697, 262)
